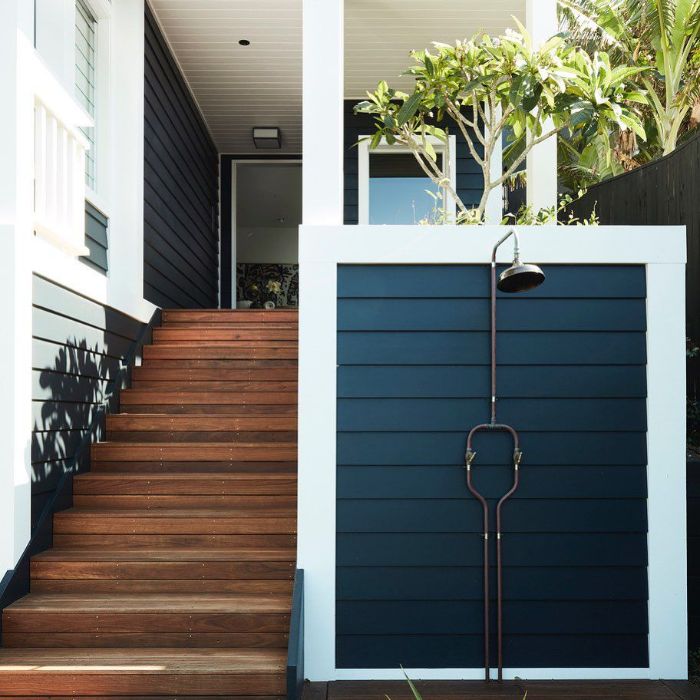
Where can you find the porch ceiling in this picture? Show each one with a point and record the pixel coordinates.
(238, 87)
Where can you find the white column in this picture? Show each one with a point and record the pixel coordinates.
(494, 204)
(541, 22)
(55, 39)
(16, 208)
(322, 112)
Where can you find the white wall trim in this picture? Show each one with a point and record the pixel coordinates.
(661, 249)
(448, 149)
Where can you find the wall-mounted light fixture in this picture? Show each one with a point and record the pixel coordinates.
(267, 137)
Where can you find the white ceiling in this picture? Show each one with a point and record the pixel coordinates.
(239, 87)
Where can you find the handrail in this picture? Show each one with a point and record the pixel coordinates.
(295, 646)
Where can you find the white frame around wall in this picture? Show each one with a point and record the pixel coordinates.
(234, 165)
(448, 151)
(662, 250)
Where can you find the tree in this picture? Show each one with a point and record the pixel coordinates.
(487, 85)
(663, 36)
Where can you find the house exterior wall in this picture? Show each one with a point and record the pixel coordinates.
(413, 378)
(77, 349)
(181, 186)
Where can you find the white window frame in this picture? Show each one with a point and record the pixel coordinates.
(99, 197)
(448, 151)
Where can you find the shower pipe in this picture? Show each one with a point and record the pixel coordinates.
(470, 455)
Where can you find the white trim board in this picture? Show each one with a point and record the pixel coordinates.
(661, 249)
(363, 153)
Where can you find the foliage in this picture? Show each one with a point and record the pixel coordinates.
(417, 695)
(488, 85)
(663, 38)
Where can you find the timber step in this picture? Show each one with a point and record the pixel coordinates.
(143, 672)
(171, 574)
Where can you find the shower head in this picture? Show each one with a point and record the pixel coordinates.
(520, 277)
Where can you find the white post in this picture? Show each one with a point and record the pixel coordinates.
(494, 204)
(322, 112)
(16, 211)
(541, 22)
(322, 202)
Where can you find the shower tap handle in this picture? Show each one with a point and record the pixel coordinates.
(517, 457)
(469, 457)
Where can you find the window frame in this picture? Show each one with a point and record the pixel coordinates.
(447, 149)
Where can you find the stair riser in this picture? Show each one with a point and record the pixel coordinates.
(151, 571)
(100, 525)
(223, 352)
(262, 503)
(172, 540)
(57, 640)
(127, 422)
(94, 485)
(268, 586)
(191, 622)
(217, 410)
(213, 467)
(263, 375)
(287, 437)
(205, 397)
(201, 453)
(204, 335)
(223, 385)
(140, 683)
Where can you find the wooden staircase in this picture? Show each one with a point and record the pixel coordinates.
(172, 573)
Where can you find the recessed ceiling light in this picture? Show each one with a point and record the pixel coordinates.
(244, 42)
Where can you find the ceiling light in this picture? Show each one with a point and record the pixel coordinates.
(244, 42)
(267, 137)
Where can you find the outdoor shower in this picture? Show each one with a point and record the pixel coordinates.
(519, 277)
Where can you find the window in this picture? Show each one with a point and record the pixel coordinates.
(85, 62)
(393, 189)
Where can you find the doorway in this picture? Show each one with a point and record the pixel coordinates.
(266, 214)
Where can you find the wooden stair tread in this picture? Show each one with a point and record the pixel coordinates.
(164, 554)
(142, 660)
(151, 603)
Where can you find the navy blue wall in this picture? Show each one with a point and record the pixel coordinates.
(470, 182)
(181, 182)
(413, 378)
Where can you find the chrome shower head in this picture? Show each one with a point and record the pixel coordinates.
(520, 277)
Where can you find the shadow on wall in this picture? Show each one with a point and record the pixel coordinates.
(69, 401)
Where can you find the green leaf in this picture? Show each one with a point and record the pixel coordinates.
(409, 108)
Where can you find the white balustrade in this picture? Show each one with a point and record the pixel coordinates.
(59, 163)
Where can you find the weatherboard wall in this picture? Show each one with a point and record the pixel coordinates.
(77, 347)
(181, 182)
(412, 378)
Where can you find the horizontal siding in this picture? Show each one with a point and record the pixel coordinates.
(413, 377)
(181, 181)
(77, 348)
(470, 181)
(96, 241)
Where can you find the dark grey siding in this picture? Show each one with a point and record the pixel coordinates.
(181, 181)
(413, 378)
(76, 351)
(96, 226)
(470, 182)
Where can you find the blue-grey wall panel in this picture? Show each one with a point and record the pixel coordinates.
(181, 181)
(470, 182)
(77, 348)
(413, 377)
(96, 228)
